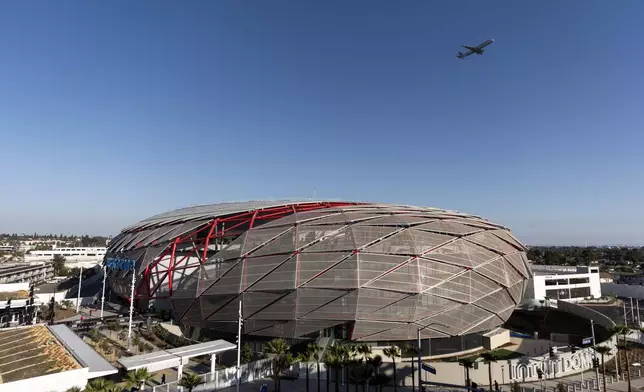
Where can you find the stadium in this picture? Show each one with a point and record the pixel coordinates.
(375, 272)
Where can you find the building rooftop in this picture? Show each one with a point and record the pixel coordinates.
(27, 352)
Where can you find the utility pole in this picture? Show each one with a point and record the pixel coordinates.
(592, 329)
(625, 320)
(239, 330)
(637, 304)
(80, 281)
(632, 312)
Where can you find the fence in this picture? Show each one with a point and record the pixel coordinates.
(225, 378)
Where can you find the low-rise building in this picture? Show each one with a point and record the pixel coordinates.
(570, 283)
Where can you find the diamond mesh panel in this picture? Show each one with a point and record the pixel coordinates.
(495, 270)
(282, 278)
(400, 243)
(489, 240)
(373, 265)
(254, 302)
(305, 327)
(309, 300)
(516, 291)
(517, 261)
(363, 329)
(429, 305)
(426, 241)
(308, 234)
(256, 268)
(366, 234)
(299, 217)
(344, 275)
(462, 253)
(229, 283)
(210, 304)
(505, 235)
(433, 273)
(448, 227)
(229, 311)
(466, 287)
(343, 308)
(403, 278)
(337, 241)
(402, 310)
(371, 300)
(345, 218)
(282, 309)
(280, 242)
(400, 333)
(312, 264)
(496, 302)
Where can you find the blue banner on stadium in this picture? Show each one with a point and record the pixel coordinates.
(120, 264)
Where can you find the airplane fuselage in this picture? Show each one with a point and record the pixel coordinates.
(478, 49)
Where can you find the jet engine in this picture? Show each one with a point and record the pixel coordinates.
(481, 52)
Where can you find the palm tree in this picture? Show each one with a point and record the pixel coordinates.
(315, 353)
(603, 350)
(365, 350)
(137, 378)
(467, 363)
(489, 357)
(376, 362)
(332, 361)
(190, 381)
(393, 352)
(73, 389)
(411, 351)
(361, 374)
(99, 385)
(305, 357)
(624, 330)
(281, 358)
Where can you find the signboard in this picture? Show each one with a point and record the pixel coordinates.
(587, 341)
(120, 264)
(428, 368)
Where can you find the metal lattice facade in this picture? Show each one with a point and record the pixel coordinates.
(300, 267)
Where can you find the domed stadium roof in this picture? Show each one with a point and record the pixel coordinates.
(298, 267)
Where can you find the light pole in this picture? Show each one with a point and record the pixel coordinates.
(103, 292)
(239, 331)
(632, 312)
(80, 281)
(420, 368)
(129, 328)
(592, 329)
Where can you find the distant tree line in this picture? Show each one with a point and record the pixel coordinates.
(71, 240)
(574, 255)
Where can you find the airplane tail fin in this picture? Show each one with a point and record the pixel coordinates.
(460, 55)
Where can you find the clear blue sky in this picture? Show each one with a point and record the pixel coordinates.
(113, 111)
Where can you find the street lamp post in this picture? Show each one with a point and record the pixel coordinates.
(103, 291)
(420, 368)
(592, 329)
(80, 281)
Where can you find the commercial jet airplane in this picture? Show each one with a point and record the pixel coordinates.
(474, 49)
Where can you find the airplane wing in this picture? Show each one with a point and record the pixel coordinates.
(470, 48)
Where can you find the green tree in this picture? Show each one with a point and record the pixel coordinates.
(122, 335)
(73, 389)
(624, 330)
(561, 387)
(137, 378)
(281, 358)
(467, 363)
(361, 374)
(489, 357)
(365, 350)
(246, 353)
(603, 350)
(136, 340)
(190, 381)
(393, 352)
(59, 265)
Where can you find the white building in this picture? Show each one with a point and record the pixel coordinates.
(73, 256)
(564, 282)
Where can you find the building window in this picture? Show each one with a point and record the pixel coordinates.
(580, 292)
(579, 280)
